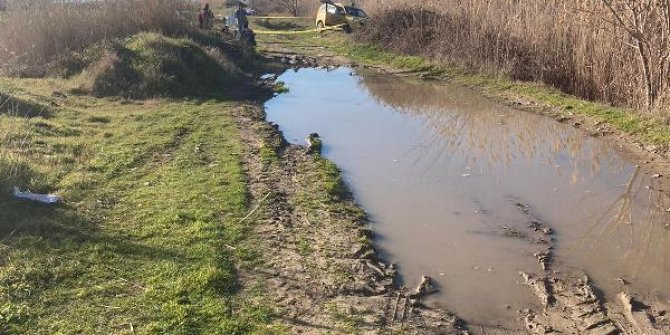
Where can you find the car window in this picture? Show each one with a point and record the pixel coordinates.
(353, 11)
(331, 9)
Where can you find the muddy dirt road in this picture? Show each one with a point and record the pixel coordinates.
(524, 223)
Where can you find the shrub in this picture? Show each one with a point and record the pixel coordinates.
(152, 65)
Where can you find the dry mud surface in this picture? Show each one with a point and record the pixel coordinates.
(323, 273)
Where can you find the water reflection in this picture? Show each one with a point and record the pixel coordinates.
(484, 132)
(636, 221)
(632, 226)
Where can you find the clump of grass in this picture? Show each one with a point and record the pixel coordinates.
(280, 87)
(14, 137)
(268, 154)
(304, 246)
(331, 179)
(98, 119)
(151, 65)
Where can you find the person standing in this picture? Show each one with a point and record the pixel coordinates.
(241, 16)
(205, 17)
(245, 34)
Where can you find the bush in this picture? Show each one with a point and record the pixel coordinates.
(152, 65)
(37, 32)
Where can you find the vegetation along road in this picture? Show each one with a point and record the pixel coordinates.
(183, 210)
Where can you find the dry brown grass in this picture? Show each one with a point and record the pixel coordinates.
(34, 33)
(614, 51)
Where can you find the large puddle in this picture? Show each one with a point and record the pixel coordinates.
(443, 171)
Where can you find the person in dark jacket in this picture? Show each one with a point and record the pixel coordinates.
(241, 16)
(205, 17)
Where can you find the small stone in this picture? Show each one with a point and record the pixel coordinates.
(656, 176)
(425, 288)
(651, 148)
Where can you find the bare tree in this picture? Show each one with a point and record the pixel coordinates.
(647, 24)
(292, 6)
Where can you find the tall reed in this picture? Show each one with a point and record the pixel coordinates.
(614, 51)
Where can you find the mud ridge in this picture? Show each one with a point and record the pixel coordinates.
(571, 302)
(319, 265)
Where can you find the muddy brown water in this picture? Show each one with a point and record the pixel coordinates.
(446, 174)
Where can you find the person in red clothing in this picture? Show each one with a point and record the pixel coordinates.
(205, 17)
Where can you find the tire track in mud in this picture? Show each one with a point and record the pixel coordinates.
(318, 265)
(571, 302)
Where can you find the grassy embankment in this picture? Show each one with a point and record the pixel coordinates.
(148, 238)
(646, 128)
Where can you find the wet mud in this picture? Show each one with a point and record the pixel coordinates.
(319, 267)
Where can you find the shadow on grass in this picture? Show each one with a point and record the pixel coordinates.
(274, 24)
(59, 227)
(14, 106)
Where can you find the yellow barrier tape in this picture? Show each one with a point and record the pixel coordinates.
(280, 17)
(292, 32)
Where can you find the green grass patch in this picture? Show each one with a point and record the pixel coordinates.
(268, 154)
(153, 191)
(280, 87)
